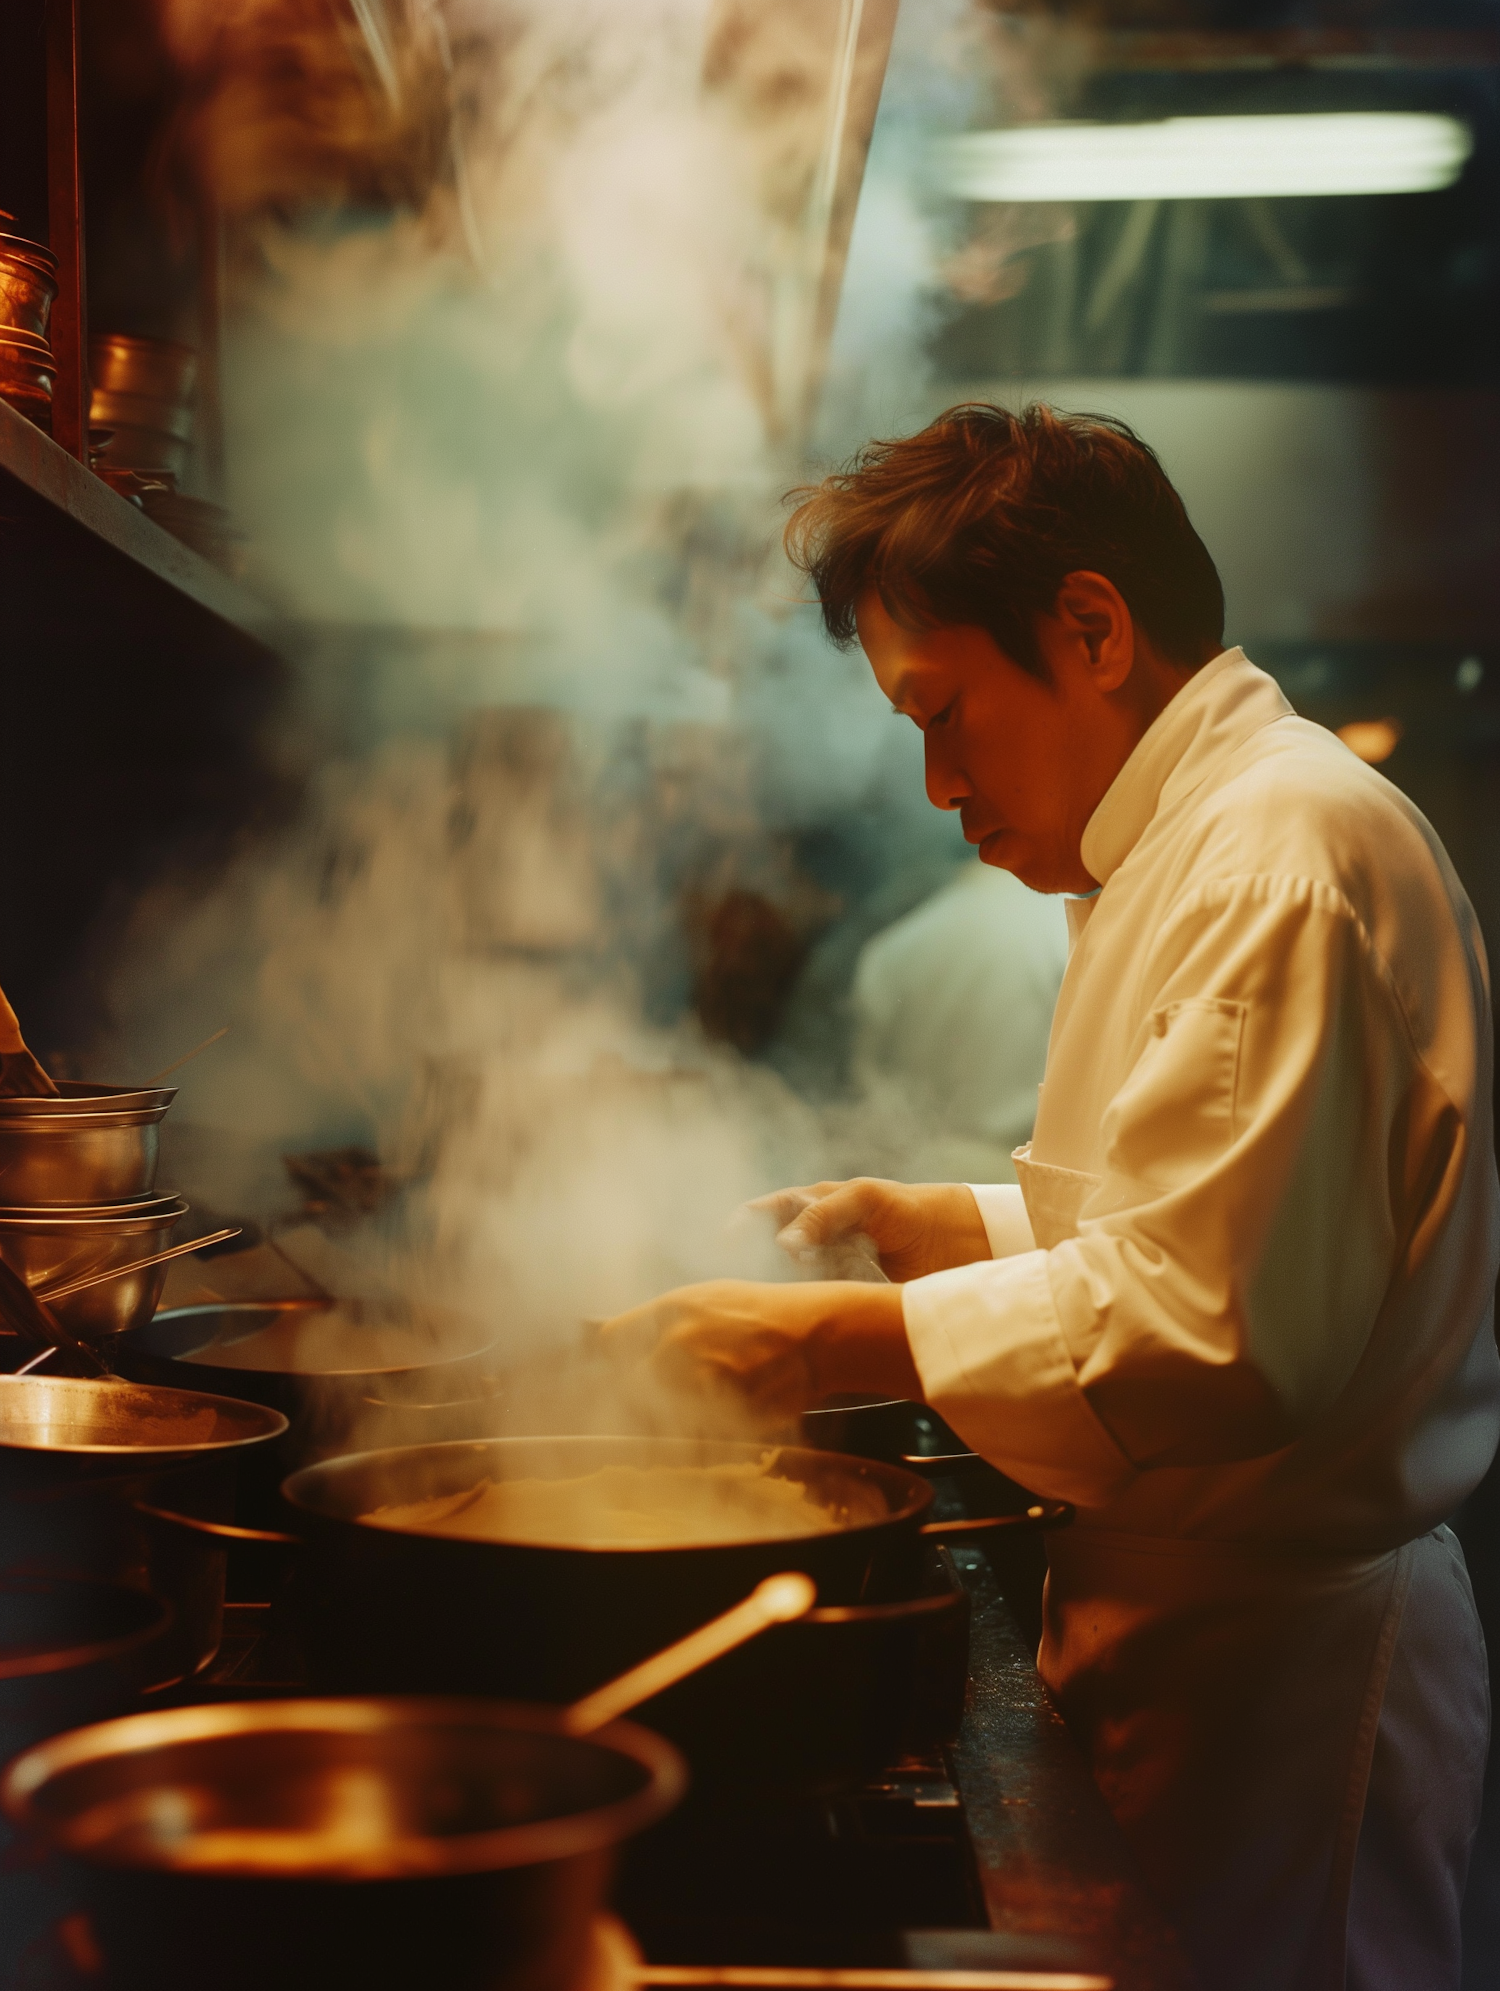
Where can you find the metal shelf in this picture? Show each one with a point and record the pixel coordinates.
(84, 517)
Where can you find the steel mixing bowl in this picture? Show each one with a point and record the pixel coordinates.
(48, 1247)
(93, 1145)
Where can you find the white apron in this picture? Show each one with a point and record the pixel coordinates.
(1240, 1310)
(1230, 1696)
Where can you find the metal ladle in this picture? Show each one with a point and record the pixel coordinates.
(775, 1601)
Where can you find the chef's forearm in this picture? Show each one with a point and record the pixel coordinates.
(859, 1341)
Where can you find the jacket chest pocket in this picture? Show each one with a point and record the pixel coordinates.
(1175, 1114)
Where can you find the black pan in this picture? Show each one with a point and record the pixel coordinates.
(240, 1349)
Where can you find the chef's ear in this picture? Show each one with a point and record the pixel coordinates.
(1090, 612)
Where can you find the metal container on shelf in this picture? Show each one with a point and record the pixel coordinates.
(26, 375)
(93, 1145)
(142, 393)
(28, 285)
(47, 1247)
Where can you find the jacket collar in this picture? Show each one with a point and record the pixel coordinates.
(1216, 711)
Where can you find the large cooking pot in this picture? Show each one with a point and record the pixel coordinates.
(411, 1610)
(343, 1845)
(110, 1481)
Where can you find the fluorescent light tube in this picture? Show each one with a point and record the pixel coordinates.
(1209, 158)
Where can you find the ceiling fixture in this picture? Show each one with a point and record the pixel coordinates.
(1209, 158)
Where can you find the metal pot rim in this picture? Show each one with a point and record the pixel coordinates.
(189, 1360)
(528, 1844)
(237, 1410)
(81, 1099)
(141, 1213)
(24, 250)
(55, 1126)
(297, 1485)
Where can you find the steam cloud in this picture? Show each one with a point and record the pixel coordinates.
(508, 456)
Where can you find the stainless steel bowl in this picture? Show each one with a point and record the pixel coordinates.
(87, 1147)
(350, 1845)
(28, 284)
(47, 1247)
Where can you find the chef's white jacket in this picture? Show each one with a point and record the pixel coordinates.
(1240, 1308)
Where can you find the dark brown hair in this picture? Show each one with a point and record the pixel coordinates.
(978, 520)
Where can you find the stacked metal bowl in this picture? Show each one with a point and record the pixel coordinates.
(28, 286)
(78, 1195)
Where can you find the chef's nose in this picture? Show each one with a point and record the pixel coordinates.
(947, 788)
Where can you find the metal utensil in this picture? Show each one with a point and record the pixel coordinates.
(777, 1600)
(187, 1056)
(71, 1286)
(24, 1314)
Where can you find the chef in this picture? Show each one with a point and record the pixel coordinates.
(1239, 1306)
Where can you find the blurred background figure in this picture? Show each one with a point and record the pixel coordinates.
(952, 1008)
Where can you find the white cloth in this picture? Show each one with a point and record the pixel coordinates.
(1247, 1324)
(952, 1008)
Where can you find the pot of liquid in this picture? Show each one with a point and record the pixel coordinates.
(538, 1566)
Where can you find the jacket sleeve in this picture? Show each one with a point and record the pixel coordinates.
(1269, 1144)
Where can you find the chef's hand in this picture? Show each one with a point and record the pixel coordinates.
(777, 1348)
(917, 1227)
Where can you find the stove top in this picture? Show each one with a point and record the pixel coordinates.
(824, 1882)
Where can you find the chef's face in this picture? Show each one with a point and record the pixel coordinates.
(1025, 760)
